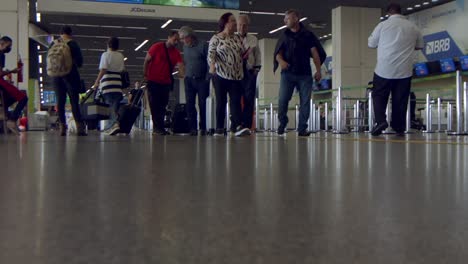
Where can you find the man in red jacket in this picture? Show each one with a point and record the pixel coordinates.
(11, 93)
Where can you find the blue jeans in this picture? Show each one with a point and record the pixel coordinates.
(113, 100)
(303, 83)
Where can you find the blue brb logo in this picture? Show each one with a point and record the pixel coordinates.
(440, 45)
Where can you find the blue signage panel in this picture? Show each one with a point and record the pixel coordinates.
(447, 65)
(464, 63)
(421, 69)
(439, 46)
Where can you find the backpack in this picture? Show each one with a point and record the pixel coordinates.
(59, 59)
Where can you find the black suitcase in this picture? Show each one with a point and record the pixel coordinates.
(129, 113)
(180, 123)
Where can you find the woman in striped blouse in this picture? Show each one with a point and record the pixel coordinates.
(225, 57)
(110, 83)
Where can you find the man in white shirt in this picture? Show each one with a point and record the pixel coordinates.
(252, 65)
(396, 40)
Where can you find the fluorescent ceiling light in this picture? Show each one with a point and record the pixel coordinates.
(167, 23)
(283, 27)
(278, 29)
(417, 6)
(143, 28)
(262, 13)
(409, 8)
(40, 58)
(425, 3)
(40, 70)
(111, 26)
(38, 17)
(125, 58)
(253, 33)
(141, 45)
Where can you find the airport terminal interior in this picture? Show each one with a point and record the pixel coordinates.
(341, 193)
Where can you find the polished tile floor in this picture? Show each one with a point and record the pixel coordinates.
(263, 199)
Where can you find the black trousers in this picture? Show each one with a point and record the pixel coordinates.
(158, 97)
(249, 91)
(400, 90)
(69, 84)
(194, 87)
(223, 87)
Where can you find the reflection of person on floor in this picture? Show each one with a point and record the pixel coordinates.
(11, 93)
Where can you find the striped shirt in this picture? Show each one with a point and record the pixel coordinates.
(226, 53)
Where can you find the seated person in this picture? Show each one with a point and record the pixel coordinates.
(11, 94)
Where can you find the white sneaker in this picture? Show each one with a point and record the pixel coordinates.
(243, 132)
(114, 130)
(11, 125)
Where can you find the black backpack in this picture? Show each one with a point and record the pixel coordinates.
(180, 123)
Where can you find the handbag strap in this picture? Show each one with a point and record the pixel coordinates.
(169, 63)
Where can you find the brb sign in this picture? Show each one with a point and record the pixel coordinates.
(440, 46)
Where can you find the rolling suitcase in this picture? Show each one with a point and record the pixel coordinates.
(129, 113)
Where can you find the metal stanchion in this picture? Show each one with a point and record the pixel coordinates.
(311, 120)
(408, 118)
(257, 116)
(333, 115)
(317, 119)
(459, 107)
(228, 117)
(265, 120)
(272, 118)
(356, 116)
(439, 115)
(275, 122)
(326, 117)
(428, 115)
(465, 99)
(389, 131)
(449, 117)
(370, 113)
(338, 112)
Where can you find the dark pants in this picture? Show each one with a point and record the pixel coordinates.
(250, 89)
(400, 90)
(158, 97)
(192, 88)
(223, 87)
(69, 84)
(113, 100)
(303, 83)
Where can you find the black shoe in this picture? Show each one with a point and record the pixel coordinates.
(160, 132)
(203, 133)
(378, 128)
(400, 133)
(304, 133)
(194, 133)
(280, 130)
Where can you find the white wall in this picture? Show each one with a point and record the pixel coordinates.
(353, 62)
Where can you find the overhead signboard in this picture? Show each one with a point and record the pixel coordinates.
(173, 9)
(226, 4)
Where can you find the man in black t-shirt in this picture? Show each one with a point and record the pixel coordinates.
(11, 93)
(292, 54)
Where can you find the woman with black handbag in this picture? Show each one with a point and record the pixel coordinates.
(110, 81)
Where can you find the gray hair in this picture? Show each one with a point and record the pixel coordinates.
(246, 17)
(186, 31)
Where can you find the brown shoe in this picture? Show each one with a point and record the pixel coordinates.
(63, 129)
